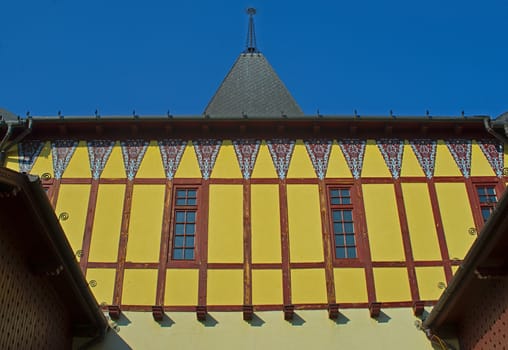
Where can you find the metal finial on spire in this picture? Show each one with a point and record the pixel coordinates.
(251, 34)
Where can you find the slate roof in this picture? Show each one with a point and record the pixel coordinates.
(252, 88)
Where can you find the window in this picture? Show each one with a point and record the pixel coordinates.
(487, 198)
(341, 209)
(184, 224)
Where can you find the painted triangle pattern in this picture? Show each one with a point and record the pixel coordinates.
(319, 152)
(461, 152)
(206, 151)
(493, 151)
(98, 155)
(62, 151)
(246, 153)
(281, 151)
(133, 152)
(354, 151)
(171, 152)
(28, 151)
(392, 150)
(425, 151)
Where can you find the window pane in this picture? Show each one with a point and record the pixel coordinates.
(346, 200)
(349, 227)
(191, 201)
(181, 193)
(180, 201)
(189, 254)
(178, 241)
(191, 193)
(337, 215)
(335, 201)
(190, 229)
(340, 253)
(180, 216)
(351, 252)
(179, 229)
(339, 240)
(191, 216)
(350, 240)
(337, 228)
(334, 193)
(177, 254)
(344, 192)
(189, 241)
(486, 213)
(491, 190)
(348, 215)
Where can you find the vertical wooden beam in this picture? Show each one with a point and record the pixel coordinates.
(440, 230)
(247, 244)
(327, 243)
(55, 193)
(284, 236)
(364, 244)
(90, 216)
(164, 247)
(406, 241)
(122, 245)
(203, 241)
(474, 204)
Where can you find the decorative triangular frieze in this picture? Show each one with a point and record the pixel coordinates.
(133, 152)
(171, 152)
(246, 153)
(319, 152)
(461, 152)
(28, 152)
(354, 150)
(493, 151)
(62, 151)
(392, 150)
(98, 154)
(206, 151)
(425, 151)
(281, 151)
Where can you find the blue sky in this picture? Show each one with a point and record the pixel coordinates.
(336, 56)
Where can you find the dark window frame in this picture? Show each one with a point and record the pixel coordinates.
(487, 197)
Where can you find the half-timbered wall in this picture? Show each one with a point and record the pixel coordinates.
(264, 218)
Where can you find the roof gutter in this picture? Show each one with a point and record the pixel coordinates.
(8, 146)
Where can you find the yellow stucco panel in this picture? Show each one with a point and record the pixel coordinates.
(337, 165)
(304, 218)
(145, 223)
(429, 279)
(455, 269)
(181, 287)
(225, 224)
(300, 165)
(392, 284)
(79, 165)
(308, 286)
(383, 224)
(457, 218)
(189, 166)
(373, 163)
(420, 220)
(350, 285)
(139, 286)
(263, 168)
(265, 224)
(73, 200)
(107, 223)
(267, 287)
(12, 159)
(479, 164)
(410, 164)
(151, 165)
(226, 165)
(445, 164)
(44, 162)
(224, 287)
(114, 166)
(105, 279)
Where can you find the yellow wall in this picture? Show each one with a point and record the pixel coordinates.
(263, 168)
(337, 165)
(457, 218)
(79, 165)
(445, 164)
(189, 166)
(392, 284)
(267, 287)
(383, 223)
(226, 164)
(300, 165)
(114, 166)
(139, 286)
(410, 164)
(225, 224)
(225, 287)
(428, 279)
(107, 223)
(145, 223)
(308, 286)
(373, 163)
(265, 224)
(304, 218)
(479, 164)
(44, 162)
(350, 285)
(105, 279)
(151, 166)
(12, 159)
(420, 220)
(73, 199)
(181, 287)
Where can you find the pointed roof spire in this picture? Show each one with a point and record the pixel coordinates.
(251, 33)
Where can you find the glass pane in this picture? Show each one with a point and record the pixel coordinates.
(351, 252)
(337, 228)
(180, 201)
(191, 216)
(340, 253)
(178, 242)
(190, 229)
(191, 193)
(348, 215)
(349, 227)
(179, 229)
(334, 193)
(337, 215)
(335, 201)
(191, 201)
(189, 241)
(189, 254)
(181, 193)
(344, 193)
(485, 213)
(350, 240)
(177, 254)
(339, 240)
(180, 216)
(491, 190)
(346, 200)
